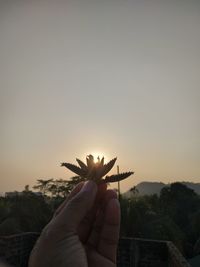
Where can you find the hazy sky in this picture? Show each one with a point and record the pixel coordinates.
(119, 78)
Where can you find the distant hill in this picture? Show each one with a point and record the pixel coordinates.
(150, 188)
(194, 186)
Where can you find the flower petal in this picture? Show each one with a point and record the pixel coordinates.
(117, 177)
(107, 167)
(82, 165)
(74, 169)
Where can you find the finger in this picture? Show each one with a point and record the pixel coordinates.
(72, 194)
(75, 210)
(109, 235)
(85, 226)
(98, 224)
(110, 194)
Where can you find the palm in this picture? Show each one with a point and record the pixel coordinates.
(93, 242)
(99, 230)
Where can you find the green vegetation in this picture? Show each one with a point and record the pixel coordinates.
(23, 213)
(173, 215)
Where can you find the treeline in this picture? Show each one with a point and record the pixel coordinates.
(30, 211)
(174, 215)
(57, 187)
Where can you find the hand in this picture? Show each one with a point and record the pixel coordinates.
(84, 231)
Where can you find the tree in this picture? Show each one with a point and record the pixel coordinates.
(179, 201)
(24, 213)
(26, 188)
(134, 190)
(59, 188)
(43, 185)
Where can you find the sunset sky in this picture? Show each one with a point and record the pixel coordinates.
(115, 78)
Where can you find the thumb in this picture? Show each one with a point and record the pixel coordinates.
(76, 209)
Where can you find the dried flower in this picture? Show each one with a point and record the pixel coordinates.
(96, 170)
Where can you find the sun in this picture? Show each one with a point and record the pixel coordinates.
(96, 154)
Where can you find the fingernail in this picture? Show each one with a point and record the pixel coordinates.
(89, 186)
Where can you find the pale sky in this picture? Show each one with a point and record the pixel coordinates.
(119, 78)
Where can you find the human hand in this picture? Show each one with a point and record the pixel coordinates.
(84, 231)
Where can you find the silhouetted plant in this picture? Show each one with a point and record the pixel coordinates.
(96, 170)
(43, 185)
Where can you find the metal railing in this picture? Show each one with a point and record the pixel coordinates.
(132, 252)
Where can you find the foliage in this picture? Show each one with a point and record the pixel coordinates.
(174, 215)
(27, 212)
(53, 187)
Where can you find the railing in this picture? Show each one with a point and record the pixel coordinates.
(138, 252)
(135, 252)
(15, 249)
(175, 257)
(132, 252)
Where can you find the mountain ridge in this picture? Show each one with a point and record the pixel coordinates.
(150, 188)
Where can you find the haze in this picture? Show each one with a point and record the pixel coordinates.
(120, 78)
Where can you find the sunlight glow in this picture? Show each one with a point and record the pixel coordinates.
(97, 154)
